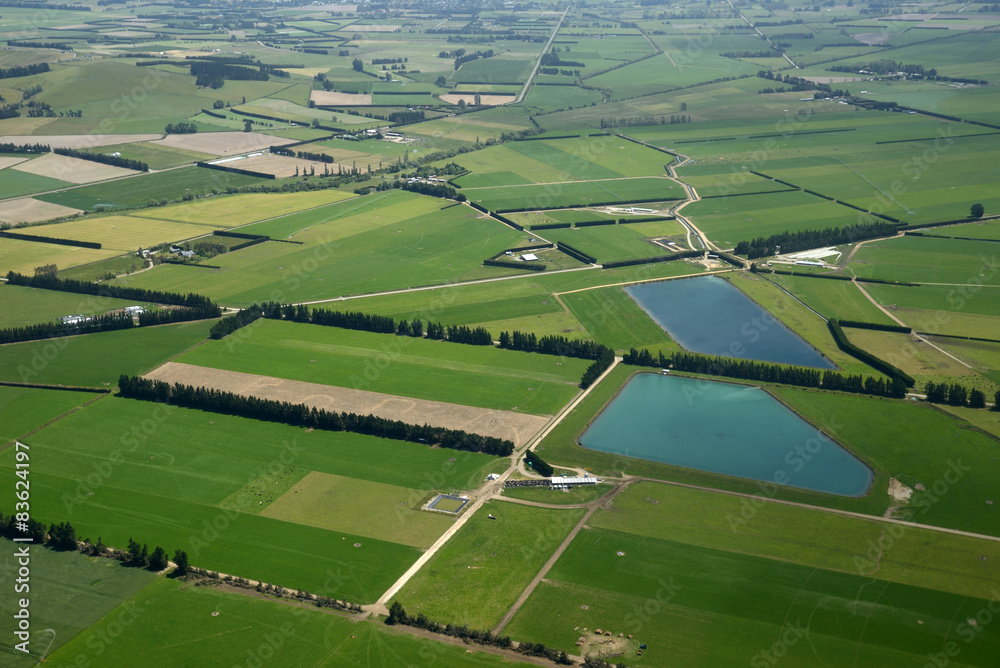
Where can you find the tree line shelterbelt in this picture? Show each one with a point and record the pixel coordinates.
(301, 415)
(479, 336)
(769, 373)
(791, 242)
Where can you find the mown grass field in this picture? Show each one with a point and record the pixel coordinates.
(246, 628)
(360, 507)
(223, 212)
(96, 360)
(481, 376)
(103, 269)
(984, 230)
(17, 183)
(611, 243)
(922, 259)
(614, 319)
(121, 233)
(68, 594)
(833, 299)
(916, 358)
(478, 574)
(26, 408)
(411, 242)
(156, 481)
(548, 195)
(24, 256)
(577, 495)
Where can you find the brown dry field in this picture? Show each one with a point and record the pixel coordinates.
(517, 427)
(75, 141)
(484, 99)
(10, 162)
(73, 170)
(325, 98)
(223, 143)
(28, 210)
(281, 166)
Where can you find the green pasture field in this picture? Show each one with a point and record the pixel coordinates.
(157, 156)
(29, 306)
(916, 358)
(23, 256)
(983, 356)
(921, 557)
(480, 572)
(614, 319)
(798, 318)
(729, 220)
(467, 128)
(490, 70)
(25, 408)
(14, 183)
(611, 243)
(834, 299)
(121, 233)
(548, 195)
(532, 218)
(577, 495)
(988, 421)
(68, 594)
(236, 629)
(360, 507)
(369, 252)
(968, 297)
(482, 376)
(97, 360)
(102, 269)
(238, 210)
(550, 98)
(920, 259)
(138, 191)
(949, 322)
(988, 229)
(678, 600)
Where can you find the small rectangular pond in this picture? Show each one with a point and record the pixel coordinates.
(709, 315)
(736, 430)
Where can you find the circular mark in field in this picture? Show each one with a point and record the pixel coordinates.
(584, 607)
(357, 545)
(621, 554)
(215, 614)
(989, 503)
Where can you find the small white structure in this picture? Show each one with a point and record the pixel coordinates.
(529, 257)
(134, 310)
(73, 319)
(493, 476)
(562, 483)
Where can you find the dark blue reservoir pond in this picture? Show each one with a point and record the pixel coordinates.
(708, 315)
(736, 430)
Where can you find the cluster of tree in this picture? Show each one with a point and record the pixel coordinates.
(181, 128)
(23, 70)
(576, 254)
(553, 60)
(749, 54)
(473, 336)
(172, 315)
(398, 615)
(345, 319)
(388, 61)
(955, 394)
(555, 71)
(317, 51)
(39, 45)
(49, 330)
(301, 415)
(7, 147)
(791, 242)
(551, 345)
(318, 157)
(597, 367)
(406, 116)
(140, 557)
(875, 362)
(765, 372)
(214, 74)
(538, 465)
(885, 67)
(231, 323)
(48, 282)
(209, 248)
(469, 57)
(47, 6)
(434, 190)
(104, 159)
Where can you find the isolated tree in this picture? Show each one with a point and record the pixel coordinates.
(397, 615)
(461, 104)
(247, 125)
(218, 104)
(158, 560)
(181, 559)
(358, 65)
(977, 398)
(441, 81)
(478, 99)
(62, 536)
(977, 210)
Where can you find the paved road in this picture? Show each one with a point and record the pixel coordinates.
(538, 63)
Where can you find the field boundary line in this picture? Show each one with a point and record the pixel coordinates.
(713, 272)
(54, 420)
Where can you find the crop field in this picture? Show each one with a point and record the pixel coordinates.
(25, 408)
(614, 319)
(347, 256)
(982, 355)
(121, 233)
(421, 368)
(104, 269)
(610, 243)
(140, 190)
(477, 576)
(834, 299)
(360, 507)
(29, 210)
(676, 597)
(94, 587)
(920, 259)
(984, 230)
(549, 195)
(97, 360)
(235, 629)
(23, 256)
(531, 218)
(728, 221)
(29, 306)
(913, 357)
(15, 183)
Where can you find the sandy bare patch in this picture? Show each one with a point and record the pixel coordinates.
(873, 38)
(10, 162)
(332, 98)
(223, 143)
(900, 494)
(489, 100)
(75, 141)
(517, 427)
(74, 170)
(281, 166)
(28, 210)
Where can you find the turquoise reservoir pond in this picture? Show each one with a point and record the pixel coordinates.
(709, 315)
(737, 430)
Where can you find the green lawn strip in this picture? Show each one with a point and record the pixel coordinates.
(25, 408)
(236, 629)
(480, 572)
(969, 298)
(614, 319)
(923, 259)
(481, 376)
(834, 299)
(96, 360)
(578, 494)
